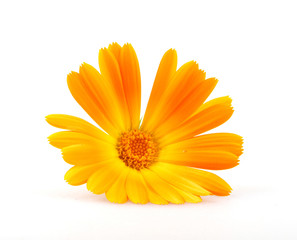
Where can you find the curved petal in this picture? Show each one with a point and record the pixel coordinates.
(210, 117)
(78, 125)
(177, 181)
(135, 187)
(227, 142)
(89, 103)
(129, 67)
(103, 95)
(105, 177)
(188, 197)
(187, 107)
(83, 154)
(111, 73)
(187, 78)
(117, 192)
(161, 187)
(68, 138)
(115, 49)
(207, 180)
(206, 159)
(226, 101)
(153, 196)
(164, 74)
(79, 175)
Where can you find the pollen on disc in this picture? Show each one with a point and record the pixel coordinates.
(137, 149)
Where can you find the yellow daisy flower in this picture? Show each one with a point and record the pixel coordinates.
(154, 161)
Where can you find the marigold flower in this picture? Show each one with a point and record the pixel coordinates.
(158, 160)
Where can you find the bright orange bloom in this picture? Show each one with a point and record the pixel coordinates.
(154, 161)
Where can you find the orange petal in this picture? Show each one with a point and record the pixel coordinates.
(164, 75)
(226, 101)
(227, 142)
(111, 73)
(210, 117)
(187, 107)
(88, 102)
(206, 159)
(183, 82)
(103, 95)
(115, 49)
(129, 67)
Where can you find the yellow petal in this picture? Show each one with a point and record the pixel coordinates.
(83, 154)
(104, 178)
(76, 124)
(153, 196)
(168, 174)
(188, 197)
(207, 180)
(135, 187)
(161, 187)
(68, 138)
(79, 175)
(117, 192)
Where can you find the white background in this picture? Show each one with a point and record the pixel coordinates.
(249, 46)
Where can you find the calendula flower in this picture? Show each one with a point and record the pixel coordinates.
(160, 159)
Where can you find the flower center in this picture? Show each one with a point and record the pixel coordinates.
(137, 149)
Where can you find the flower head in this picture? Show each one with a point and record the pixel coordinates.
(159, 160)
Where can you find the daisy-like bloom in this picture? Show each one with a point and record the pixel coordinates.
(160, 159)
